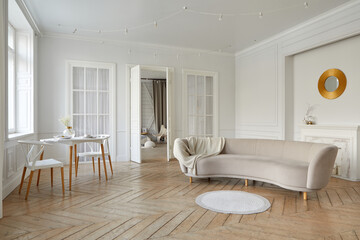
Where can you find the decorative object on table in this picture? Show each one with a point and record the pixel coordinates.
(88, 136)
(149, 144)
(234, 202)
(69, 131)
(62, 136)
(309, 119)
(332, 83)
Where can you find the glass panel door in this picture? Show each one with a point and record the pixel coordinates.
(90, 102)
(200, 107)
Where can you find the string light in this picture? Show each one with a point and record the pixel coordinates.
(219, 16)
(129, 51)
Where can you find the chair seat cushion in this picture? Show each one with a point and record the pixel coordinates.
(46, 163)
(281, 171)
(92, 154)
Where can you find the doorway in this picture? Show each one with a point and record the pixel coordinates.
(150, 113)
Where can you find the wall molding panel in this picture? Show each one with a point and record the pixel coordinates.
(335, 25)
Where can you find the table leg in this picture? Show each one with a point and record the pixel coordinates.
(103, 156)
(75, 157)
(70, 167)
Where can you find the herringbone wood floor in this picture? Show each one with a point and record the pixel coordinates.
(155, 200)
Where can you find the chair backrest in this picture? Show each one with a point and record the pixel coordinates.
(29, 149)
(105, 138)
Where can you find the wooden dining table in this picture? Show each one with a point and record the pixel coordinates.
(72, 143)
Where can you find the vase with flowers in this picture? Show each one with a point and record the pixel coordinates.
(309, 119)
(69, 131)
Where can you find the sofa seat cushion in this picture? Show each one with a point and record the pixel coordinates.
(281, 171)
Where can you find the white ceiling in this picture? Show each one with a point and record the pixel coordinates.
(186, 29)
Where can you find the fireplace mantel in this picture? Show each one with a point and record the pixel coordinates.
(346, 138)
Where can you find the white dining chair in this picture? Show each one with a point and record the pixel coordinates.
(95, 154)
(33, 151)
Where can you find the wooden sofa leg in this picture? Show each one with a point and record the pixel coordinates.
(246, 183)
(190, 179)
(305, 195)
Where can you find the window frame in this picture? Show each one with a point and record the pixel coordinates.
(185, 109)
(70, 64)
(23, 81)
(11, 51)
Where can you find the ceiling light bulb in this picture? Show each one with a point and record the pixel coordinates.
(306, 4)
(129, 51)
(126, 31)
(261, 15)
(155, 24)
(185, 8)
(75, 30)
(220, 17)
(99, 31)
(177, 56)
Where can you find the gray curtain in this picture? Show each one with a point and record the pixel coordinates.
(159, 88)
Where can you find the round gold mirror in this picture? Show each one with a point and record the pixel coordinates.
(332, 83)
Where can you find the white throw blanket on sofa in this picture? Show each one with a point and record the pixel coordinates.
(197, 148)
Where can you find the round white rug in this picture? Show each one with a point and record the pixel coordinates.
(235, 202)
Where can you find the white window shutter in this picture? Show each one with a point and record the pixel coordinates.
(24, 82)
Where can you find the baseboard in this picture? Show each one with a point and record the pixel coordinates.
(121, 158)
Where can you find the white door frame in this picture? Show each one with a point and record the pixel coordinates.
(3, 77)
(112, 96)
(128, 101)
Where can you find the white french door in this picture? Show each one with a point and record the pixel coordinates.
(135, 111)
(135, 114)
(92, 104)
(200, 99)
(170, 112)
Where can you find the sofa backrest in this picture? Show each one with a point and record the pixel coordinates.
(280, 149)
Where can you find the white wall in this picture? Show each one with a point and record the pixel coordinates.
(270, 73)
(308, 66)
(54, 51)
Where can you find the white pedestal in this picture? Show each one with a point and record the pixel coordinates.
(346, 138)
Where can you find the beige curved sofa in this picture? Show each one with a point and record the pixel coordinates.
(298, 166)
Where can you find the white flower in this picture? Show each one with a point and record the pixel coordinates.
(65, 121)
(310, 109)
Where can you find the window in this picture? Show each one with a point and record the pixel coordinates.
(20, 98)
(91, 99)
(11, 79)
(200, 105)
